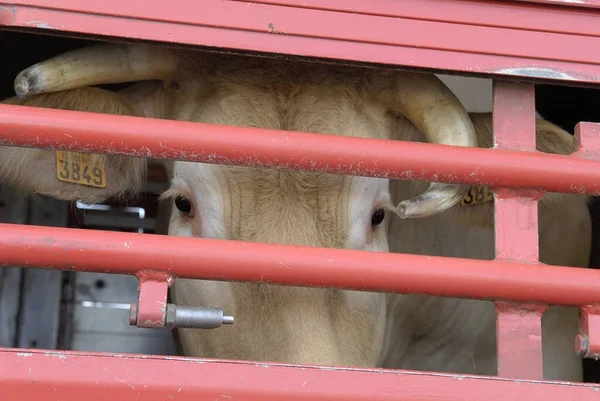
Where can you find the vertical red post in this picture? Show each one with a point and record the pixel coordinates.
(519, 328)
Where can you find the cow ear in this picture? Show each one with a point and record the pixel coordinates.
(70, 175)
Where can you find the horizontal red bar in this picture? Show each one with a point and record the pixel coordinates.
(293, 21)
(488, 13)
(476, 47)
(34, 375)
(128, 253)
(145, 137)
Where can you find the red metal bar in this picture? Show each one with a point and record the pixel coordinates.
(484, 44)
(73, 376)
(490, 13)
(519, 327)
(134, 136)
(129, 253)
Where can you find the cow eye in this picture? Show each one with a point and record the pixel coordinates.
(183, 204)
(377, 217)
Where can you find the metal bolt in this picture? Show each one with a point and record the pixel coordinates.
(196, 318)
(582, 345)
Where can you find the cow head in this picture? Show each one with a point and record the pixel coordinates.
(273, 323)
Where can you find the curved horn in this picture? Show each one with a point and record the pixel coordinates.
(99, 64)
(434, 109)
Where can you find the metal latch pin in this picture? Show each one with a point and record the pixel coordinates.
(188, 317)
(152, 310)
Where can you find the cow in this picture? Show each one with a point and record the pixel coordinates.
(309, 325)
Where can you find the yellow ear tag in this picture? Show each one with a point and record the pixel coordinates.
(476, 195)
(81, 168)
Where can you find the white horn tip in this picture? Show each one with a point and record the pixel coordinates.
(438, 198)
(22, 85)
(414, 209)
(29, 82)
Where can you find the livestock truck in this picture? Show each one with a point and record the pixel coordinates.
(194, 200)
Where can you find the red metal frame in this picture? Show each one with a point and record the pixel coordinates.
(65, 376)
(508, 38)
(465, 36)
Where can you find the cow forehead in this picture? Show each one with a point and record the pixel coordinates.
(277, 205)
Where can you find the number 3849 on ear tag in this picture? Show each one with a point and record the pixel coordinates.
(81, 168)
(476, 195)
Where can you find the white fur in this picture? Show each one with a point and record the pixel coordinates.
(366, 195)
(200, 183)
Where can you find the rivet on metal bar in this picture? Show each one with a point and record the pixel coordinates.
(152, 310)
(586, 342)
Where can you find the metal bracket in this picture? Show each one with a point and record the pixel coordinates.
(587, 343)
(152, 310)
(519, 336)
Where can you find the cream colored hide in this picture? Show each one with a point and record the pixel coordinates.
(285, 324)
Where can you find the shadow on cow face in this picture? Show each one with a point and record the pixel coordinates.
(282, 323)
